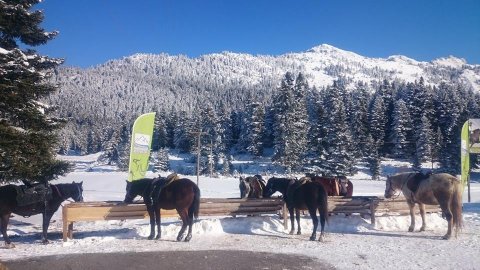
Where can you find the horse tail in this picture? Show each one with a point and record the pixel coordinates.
(322, 203)
(456, 205)
(195, 207)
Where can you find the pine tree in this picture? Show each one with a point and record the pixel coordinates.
(386, 92)
(161, 162)
(123, 148)
(28, 139)
(448, 111)
(359, 120)
(377, 120)
(401, 132)
(338, 159)
(373, 158)
(291, 121)
(423, 151)
(254, 127)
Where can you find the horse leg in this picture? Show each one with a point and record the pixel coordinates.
(158, 219)
(313, 215)
(411, 206)
(444, 205)
(292, 220)
(5, 218)
(184, 216)
(421, 206)
(297, 217)
(190, 225)
(45, 224)
(151, 214)
(323, 218)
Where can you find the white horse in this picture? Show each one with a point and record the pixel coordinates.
(436, 189)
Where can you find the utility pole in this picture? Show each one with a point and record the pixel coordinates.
(210, 158)
(198, 155)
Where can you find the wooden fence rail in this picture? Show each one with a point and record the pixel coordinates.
(363, 205)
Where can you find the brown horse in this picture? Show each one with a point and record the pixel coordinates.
(311, 196)
(9, 205)
(252, 187)
(182, 195)
(432, 189)
(335, 186)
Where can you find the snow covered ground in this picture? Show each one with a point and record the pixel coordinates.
(351, 242)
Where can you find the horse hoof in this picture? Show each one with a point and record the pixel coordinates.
(291, 232)
(312, 238)
(187, 239)
(410, 229)
(422, 229)
(446, 237)
(150, 237)
(299, 233)
(9, 246)
(157, 237)
(321, 238)
(45, 242)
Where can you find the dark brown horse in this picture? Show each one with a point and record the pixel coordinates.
(182, 195)
(309, 196)
(252, 187)
(433, 189)
(334, 185)
(9, 205)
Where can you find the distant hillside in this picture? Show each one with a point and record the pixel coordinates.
(144, 81)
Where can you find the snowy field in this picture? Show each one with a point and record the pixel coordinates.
(351, 242)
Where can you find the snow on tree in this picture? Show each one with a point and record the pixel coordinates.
(290, 126)
(338, 158)
(162, 162)
(423, 149)
(401, 136)
(28, 144)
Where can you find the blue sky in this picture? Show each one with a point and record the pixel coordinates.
(92, 32)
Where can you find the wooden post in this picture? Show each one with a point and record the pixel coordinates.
(285, 216)
(64, 219)
(373, 203)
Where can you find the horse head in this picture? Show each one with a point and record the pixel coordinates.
(79, 189)
(244, 188)
(275, 184)
(130, 192)
(389, 189)
(343, 183)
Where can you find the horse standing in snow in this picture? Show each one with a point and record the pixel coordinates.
(433, 189)
(10, 202)
(335, 186)
(181, 194)
(301, 195)
(252, 187)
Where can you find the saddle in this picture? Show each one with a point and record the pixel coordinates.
(33, 194)
(414, 182)
(161, 183)
(293, 186)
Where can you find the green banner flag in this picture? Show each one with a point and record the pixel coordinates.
(140, 146)
(465, 153)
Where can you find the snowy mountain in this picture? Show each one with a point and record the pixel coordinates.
(108, 97)
(155, 80)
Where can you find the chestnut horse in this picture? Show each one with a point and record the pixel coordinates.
(335, 186)
(433, 189)
(9, 205)
(252, 187)
(182, 195)
(310, 195)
